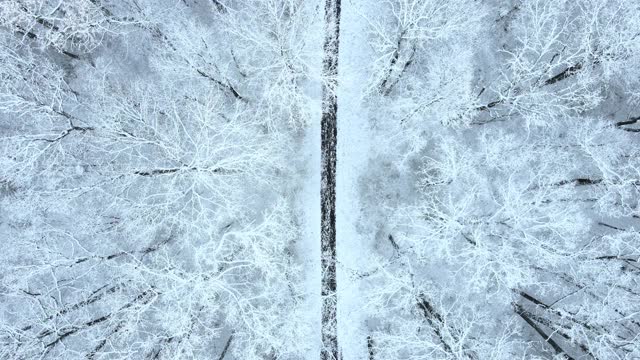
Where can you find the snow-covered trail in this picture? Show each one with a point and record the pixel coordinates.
(328, 154)
(333, 214)
(352, 159)
(308, 200)
(308, 249)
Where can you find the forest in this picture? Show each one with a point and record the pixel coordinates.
(320, 179)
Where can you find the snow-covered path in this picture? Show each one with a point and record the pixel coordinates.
(339, 170)
(328, 154)
(308, 201)
(308, 206)
(352, 158)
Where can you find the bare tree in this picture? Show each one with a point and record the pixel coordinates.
(516, 238)
(143, 190)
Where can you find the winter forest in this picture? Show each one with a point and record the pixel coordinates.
(320, 179)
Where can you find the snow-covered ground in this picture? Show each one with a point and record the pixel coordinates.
(308, 203)
(308, 200)
(353, 154)
(309, 245)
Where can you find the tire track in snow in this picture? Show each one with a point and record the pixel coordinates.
(328, 130)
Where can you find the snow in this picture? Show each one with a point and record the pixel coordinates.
(495, 165)
(353, 149)
(308, 199)
(308, 247)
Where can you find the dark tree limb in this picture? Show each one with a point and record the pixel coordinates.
(156, 172)
(226, 348)
(558, 350)
(630, 121)
(558, 329)
(93, 297)
(66, 133)
(390, 79)
(144, 296)
(568, 72)
(222, 85)
(437, 323)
